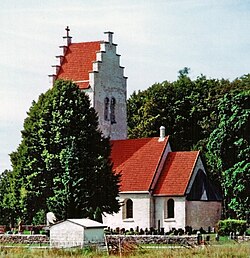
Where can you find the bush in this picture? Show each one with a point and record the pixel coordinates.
(231, 225)
(39, 218)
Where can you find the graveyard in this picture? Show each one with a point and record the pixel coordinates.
(36, 242)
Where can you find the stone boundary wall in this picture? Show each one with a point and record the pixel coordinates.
(138, 239)
(114, 239)
(243, 239)
(24, 239)
(159, 239)
(153, 239)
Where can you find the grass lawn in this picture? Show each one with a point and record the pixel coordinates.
(227, 250)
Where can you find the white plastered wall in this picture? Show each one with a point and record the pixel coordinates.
(142, 209)
(179, 212)
(90, 93)
(107, 80)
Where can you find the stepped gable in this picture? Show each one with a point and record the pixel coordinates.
(78, 62)
(176, 173)
(137, 160)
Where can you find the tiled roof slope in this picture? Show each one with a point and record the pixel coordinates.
(78, 62)
(137, 160)
(176, 173)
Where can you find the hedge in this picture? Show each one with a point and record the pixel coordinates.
(231, 225)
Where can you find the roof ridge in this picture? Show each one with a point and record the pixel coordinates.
(166, 141)
(77, 220)
(84, 42)
(186, 151)
(193, 167)
(138, 139)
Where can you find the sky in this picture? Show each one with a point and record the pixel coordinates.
(156, 39)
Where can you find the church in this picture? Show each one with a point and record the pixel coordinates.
(159, 188)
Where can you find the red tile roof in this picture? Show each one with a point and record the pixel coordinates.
(78, 62)
(176, 173)
(137, 160)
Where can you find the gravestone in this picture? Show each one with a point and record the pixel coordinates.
(50, 218)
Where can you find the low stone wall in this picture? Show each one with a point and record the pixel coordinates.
(243, 239)
(113, 239)
(24, 239)
(153, 239)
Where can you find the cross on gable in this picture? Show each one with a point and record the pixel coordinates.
(67, 36)
(67, 31)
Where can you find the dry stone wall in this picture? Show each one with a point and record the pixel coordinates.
(153, 239)
(24, 239)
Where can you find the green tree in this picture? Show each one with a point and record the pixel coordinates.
(228, 153)
(7, 199)
(63, 162)
(184, 107)
(187, 108)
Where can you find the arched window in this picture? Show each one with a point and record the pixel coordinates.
(106, 109)
(170, 208)
(112, 110)
(128, 209)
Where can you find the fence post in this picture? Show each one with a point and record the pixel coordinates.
(120, 247)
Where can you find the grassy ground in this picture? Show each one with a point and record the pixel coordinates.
(218, 251)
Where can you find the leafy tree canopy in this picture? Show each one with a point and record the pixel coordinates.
(229, 150)
(7, 198)
(62, 164)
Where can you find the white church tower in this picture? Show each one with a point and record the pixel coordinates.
(95, 67)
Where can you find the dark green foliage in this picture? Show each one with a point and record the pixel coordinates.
(8, 199)
(62, 164)
(188, 110)
(229, 150)
(225, 227)
(39, 218)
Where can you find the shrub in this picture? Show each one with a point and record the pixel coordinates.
(39, 218)
(231, 225)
